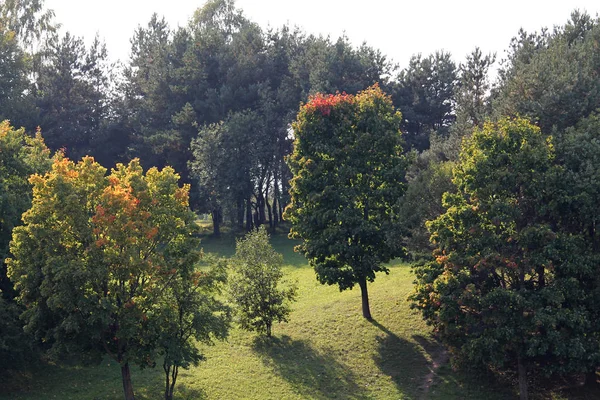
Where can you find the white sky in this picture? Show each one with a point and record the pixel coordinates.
(398, 28)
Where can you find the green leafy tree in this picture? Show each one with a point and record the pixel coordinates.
(551, 76)
(95, 256)
(424, 91)
(510, 286)
(348, 175)
(13, 76)
(254, 286)
(27, 19)
(472, 90)
(20, 156)
(191, 314)
(72, 97)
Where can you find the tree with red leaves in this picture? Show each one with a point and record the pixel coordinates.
(348, 175)
(99, 261)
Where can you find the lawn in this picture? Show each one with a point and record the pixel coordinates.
(326, 351)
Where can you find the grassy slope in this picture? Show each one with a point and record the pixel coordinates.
(326, 351)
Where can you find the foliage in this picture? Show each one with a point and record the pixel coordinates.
(253, 287)
(472, 92)
(348, 174)
(73, 100)
(424, 91)
(20, 156)
(27, 19)
(326, 350)
(13, 76)
(191, 314)
(95, 256)
(427, 181)
(510, 287)
(550, 76)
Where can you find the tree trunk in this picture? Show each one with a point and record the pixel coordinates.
(248, 215)
(269, 212)
(591, 378)
(167, 369)
(260, 204)
(522, 379)
(171, 372)
(127, 386)
(240, 213)
(174, 374)
(362, 282)
(275, 198)
(269, 328)
(216, 218)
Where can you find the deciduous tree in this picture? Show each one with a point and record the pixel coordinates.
(348, 175)
(95, 256)
(511, 286)
(255, 284)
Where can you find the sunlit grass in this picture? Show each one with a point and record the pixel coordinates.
(326, 351)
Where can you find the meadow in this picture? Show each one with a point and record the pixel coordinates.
(326, 351)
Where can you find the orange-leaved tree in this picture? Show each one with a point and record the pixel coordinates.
(98, 255)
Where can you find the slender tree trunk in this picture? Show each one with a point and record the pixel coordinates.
(216, 217)
(240, 213)
(522, 379)
(174, 373)
(127, 386)
(280, 209)
(167, 369)
(248, 215)
(269, 324)
(591, 378)
(366, 311)
(260, 204)
(275, 199)
(270, 213)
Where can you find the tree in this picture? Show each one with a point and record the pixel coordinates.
(254, 285)
(348, 172)
(95, 256)
(472, 90)
(72, 97)
(510, 286)
(551, 76)
(13, 75)
(20, 156)
(192, 313)
(425, 93)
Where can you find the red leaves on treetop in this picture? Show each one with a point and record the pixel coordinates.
(325, 103)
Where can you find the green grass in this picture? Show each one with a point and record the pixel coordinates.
(326, 351)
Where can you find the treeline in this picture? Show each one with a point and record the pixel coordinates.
(214, 99)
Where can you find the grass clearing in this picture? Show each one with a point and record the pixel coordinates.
(326, 351)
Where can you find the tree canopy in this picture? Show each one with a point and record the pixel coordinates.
(97, 254)
(511, 286)
(348, 174)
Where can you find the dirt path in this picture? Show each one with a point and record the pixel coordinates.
(437, 361)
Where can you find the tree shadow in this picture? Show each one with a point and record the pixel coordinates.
(469, 383)
(183, 392)
(311, 373)
(403, 361)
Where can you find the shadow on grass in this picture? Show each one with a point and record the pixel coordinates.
(312, 374)
(224, 246)
(402, 361)
(183, 392)
(472, 383)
